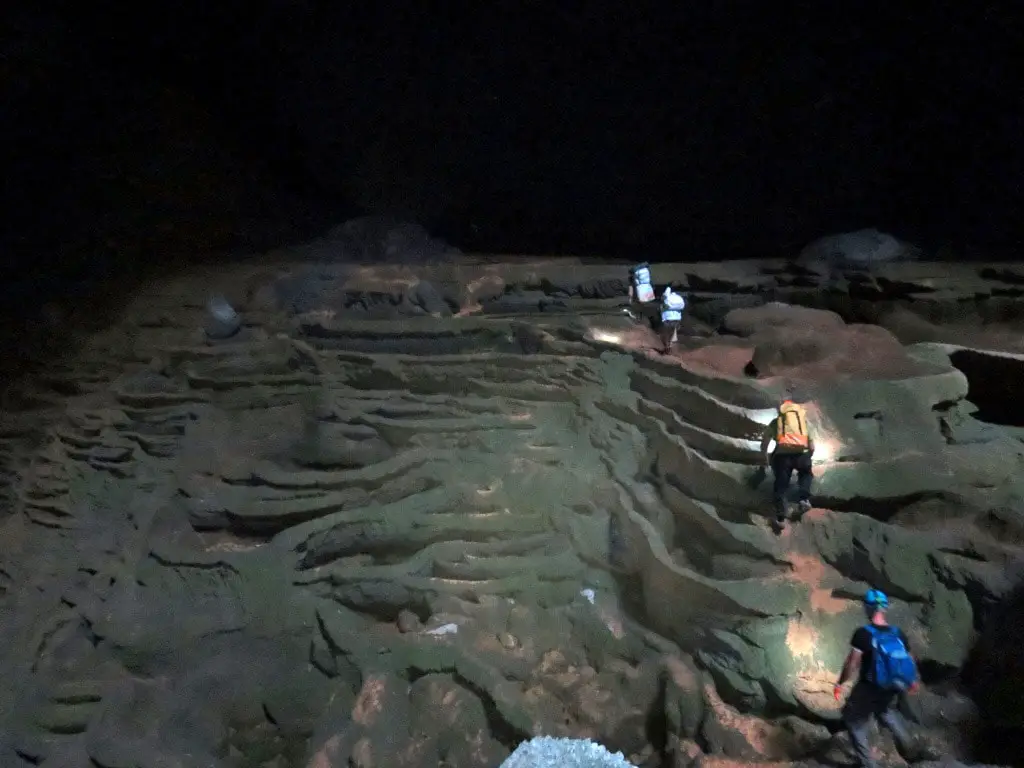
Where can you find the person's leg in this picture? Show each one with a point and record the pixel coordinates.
(668, 331)
(857, 716)
(663, 336)
(782, 469)
(652, 314)
(804, 477)
(891, 718)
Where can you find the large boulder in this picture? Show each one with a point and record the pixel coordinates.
(862, 249)
(730, 733)
(804, 344)
(749, 321)
(382, 239)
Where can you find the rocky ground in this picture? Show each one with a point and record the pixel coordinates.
(411, 516)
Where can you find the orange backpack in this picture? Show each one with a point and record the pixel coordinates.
(791, 427)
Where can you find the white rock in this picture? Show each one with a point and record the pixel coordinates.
(548, 752)
(222, 321)
(444, 629)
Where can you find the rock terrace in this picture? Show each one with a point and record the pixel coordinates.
(411, 516)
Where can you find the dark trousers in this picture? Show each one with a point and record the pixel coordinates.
(648, 312)
(867, 702)
(666, 332)
(783, 467)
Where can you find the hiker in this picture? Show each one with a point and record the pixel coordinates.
(641, 294)
(886, 669)
(672, 306)
(640, 289)
(794, 448)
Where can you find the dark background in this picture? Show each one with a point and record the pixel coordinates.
(149, 133)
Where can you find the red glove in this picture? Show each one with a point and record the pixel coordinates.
(837, 692)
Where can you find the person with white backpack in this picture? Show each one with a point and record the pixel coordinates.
(672, 306)
(642, 304)
(641, 290)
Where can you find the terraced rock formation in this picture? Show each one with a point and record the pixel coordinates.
(412, 516)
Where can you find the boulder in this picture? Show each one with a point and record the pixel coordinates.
(429, 298)
(748, 321)
(780, 350)
(808, 345)
(732, 734)
(863, 249)
(383, 239)
(222, 321)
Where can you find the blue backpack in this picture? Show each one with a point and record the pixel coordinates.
(892, 669)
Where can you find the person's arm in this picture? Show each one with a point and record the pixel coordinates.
(766, 440)
(850, 667)
(861, 639)
(810, 434)
(906, 644)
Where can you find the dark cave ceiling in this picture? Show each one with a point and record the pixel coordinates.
(695, 134)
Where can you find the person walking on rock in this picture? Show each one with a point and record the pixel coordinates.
(794, 449)
(672, 306)
(641, 290)
(641, 293)
(880, 656)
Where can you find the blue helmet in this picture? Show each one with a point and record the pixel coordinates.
(876, 598)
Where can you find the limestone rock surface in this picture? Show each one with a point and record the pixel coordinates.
(416, 515)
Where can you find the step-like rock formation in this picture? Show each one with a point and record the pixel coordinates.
(413, 516)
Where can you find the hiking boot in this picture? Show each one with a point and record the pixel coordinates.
(805, 506)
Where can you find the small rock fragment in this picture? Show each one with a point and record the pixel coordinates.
(409, 622)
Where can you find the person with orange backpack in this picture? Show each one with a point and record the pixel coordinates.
(794, 448)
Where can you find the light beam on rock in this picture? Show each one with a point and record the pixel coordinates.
(606, 337)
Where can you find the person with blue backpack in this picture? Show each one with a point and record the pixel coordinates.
(886, 670)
